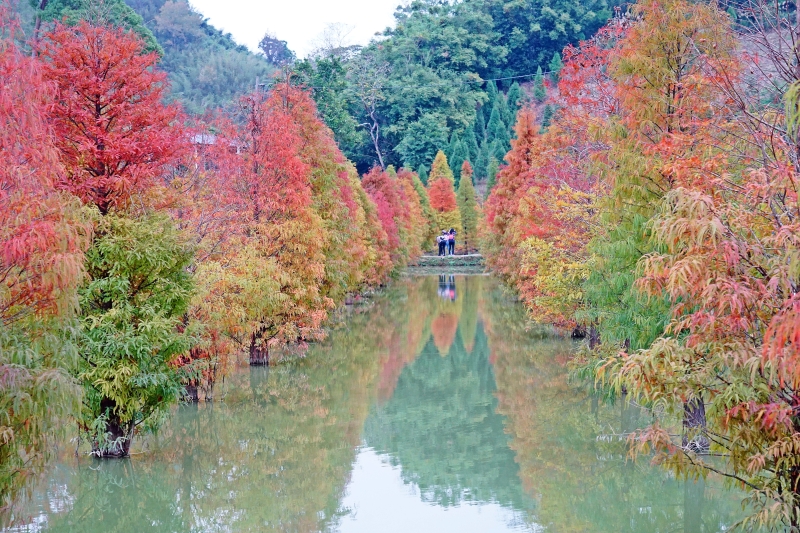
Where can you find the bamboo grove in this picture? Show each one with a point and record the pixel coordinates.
(140, 250)
(658, 215)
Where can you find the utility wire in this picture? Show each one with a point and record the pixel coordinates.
(441, 84)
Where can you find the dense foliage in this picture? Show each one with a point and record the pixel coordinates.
(658, 214)
(141, 253)
(423, 87)
(42, 240)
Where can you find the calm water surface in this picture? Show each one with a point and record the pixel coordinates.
(433, 409)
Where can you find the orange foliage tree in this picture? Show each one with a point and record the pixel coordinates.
(661, 208)
(42, 240)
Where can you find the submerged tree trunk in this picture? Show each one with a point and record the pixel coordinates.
(118, 436)
(694, 424)
(191, 394)
(259, 353)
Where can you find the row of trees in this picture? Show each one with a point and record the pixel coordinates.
(658, 214)
(140, 251)
(451, 209)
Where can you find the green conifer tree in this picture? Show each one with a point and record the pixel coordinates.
(423, 174)
(539, 90)
(547, 117)
(468, 207)
(555, 67)
(491, 172)
(480, 125)
(491, 91)
(460, 154)
(472, 144)
(514, 99)
(497, 130)
(451, 148)
(505, 113)
(486, 108)
(481, 162)
(499, 150)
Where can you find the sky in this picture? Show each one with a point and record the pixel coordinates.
(299, 22)
(378, 499)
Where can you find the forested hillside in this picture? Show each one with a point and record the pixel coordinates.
(424, 86)
(206, 68)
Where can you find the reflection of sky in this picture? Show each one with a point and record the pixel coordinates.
(379, 502)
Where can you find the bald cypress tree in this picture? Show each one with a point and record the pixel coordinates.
(440, 169)
(468, 207)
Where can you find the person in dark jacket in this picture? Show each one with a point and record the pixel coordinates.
(441, 240)
(451, 241)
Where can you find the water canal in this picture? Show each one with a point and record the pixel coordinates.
(432, 409)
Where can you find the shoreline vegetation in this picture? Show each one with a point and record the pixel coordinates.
(641, 193)
(657, 216)
(143, 249)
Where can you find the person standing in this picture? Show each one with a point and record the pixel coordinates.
(441, 240)
(451, 241)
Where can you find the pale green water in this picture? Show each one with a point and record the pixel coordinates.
(432, 410)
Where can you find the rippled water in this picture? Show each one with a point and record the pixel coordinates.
(433, 409)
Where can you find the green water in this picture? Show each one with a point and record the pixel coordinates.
(432, 409)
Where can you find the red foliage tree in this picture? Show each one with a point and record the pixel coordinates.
(442, 195)
(384, 191)
(111, 126)
(40, 244)
(41, 263)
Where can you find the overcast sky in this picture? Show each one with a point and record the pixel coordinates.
(299, 22)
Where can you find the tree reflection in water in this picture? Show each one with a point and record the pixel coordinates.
(446, 379)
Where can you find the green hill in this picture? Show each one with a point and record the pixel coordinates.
(207, 68)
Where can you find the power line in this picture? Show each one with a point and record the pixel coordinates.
(440, 84)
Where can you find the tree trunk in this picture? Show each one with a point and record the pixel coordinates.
(594, 337)
(192, 395)
(694, 423)
(259, 353)
(119, 436)
(38, 26)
